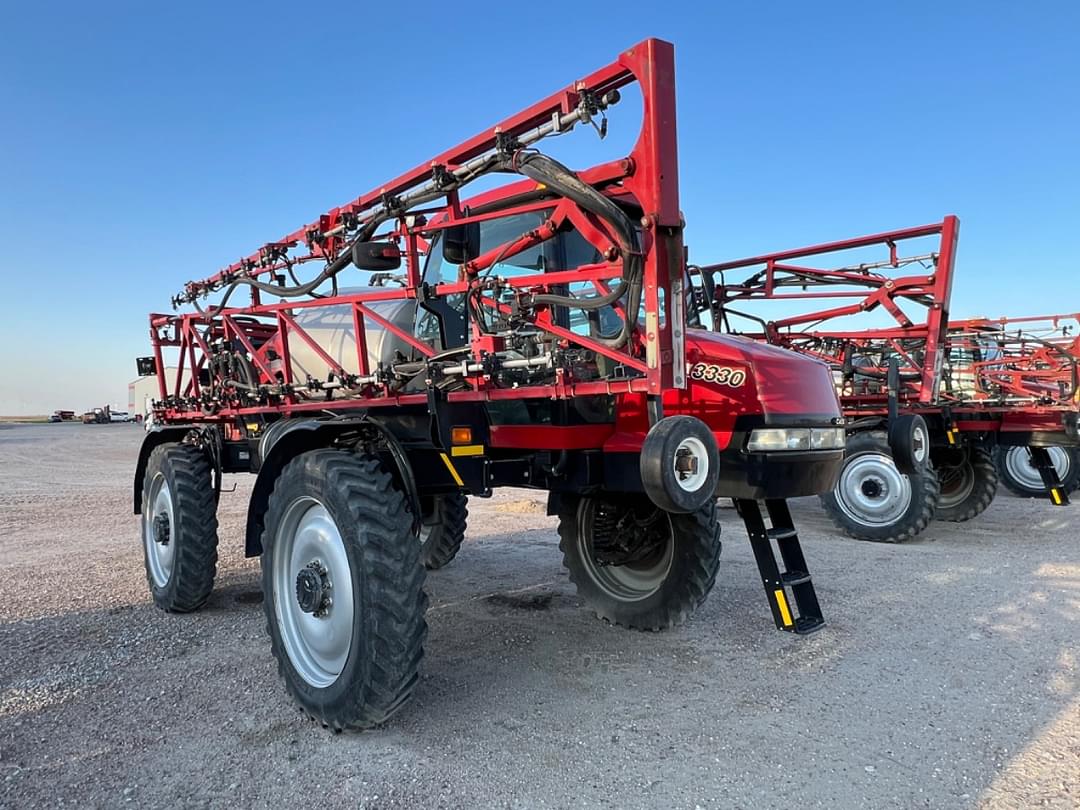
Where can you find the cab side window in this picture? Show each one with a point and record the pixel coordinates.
(442, 323)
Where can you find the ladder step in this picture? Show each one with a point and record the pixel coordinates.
(804, 625)
(782, 533)
(799, 613)
(1040, 457)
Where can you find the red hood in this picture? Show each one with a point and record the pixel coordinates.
(786, 383)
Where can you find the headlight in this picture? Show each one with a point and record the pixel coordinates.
(766, 440)
(827, 438)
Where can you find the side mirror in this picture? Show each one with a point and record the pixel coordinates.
(461, 243)
(376, 255)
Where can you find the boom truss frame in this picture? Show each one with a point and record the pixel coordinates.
(408, 211)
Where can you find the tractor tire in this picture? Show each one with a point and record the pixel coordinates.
(344, 588)
(442, 528)
(636, 565)
(179, 527)
(1021, 478)
(873, 500)
(967, 488)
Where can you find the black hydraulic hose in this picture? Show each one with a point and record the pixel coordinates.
(564, 182)
(409, 369)
(331, 269)
(246, 369)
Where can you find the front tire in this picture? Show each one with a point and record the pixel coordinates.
(874, 501)
(636, 565)
(967, 488)
(179, 527)
(1018, 473)
(343, 585)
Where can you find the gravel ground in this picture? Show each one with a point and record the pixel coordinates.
(947, 676)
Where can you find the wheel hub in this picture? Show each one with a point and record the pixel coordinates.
(691, 464)
(686, 463)
(627, 549)
(871, 491)
(313, 589)
(918, 445)
(161, 528)
(309, 563)
(957, 483)
(623, 536)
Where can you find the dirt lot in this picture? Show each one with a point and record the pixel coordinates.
(947, 677)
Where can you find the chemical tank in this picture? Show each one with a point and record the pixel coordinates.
(332, 328)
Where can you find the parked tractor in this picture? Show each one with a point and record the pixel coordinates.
(536, 335)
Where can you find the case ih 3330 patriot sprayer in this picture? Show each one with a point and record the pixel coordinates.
(538, 336)
(953, 391)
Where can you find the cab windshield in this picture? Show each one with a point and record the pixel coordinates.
(443, 323)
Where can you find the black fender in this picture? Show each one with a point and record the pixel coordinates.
(286, 439)
(164, 434)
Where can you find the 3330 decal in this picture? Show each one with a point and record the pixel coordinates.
(721, 375)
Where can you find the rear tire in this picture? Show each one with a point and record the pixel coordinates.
(967, 488)
(179, 527)
(1021, 478)
(873, 500)
(655, 567)
(343, 585)
(442, 529)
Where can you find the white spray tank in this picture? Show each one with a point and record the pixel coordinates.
(332, 328)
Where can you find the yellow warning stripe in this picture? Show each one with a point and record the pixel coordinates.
(450, 467)
(467, 450)
(781, 602)
(1055, 495)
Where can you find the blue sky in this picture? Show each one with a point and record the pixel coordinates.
(141, 147)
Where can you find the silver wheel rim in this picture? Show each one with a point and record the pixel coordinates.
(626, 583)
(1021, 466)
(920, 445)
(160, 545)
(957, 484)
(871, 491)
(317, 643)
(690, 464)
